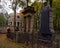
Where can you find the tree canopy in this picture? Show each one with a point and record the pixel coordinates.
(2, 20)
(56, 11)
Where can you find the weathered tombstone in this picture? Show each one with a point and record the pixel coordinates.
(46, 27)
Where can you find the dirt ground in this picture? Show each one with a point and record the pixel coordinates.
(6, 43)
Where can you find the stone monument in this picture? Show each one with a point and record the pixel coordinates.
(46, 27)
(28, 23)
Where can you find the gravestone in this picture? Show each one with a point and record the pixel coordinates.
(46, 25)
